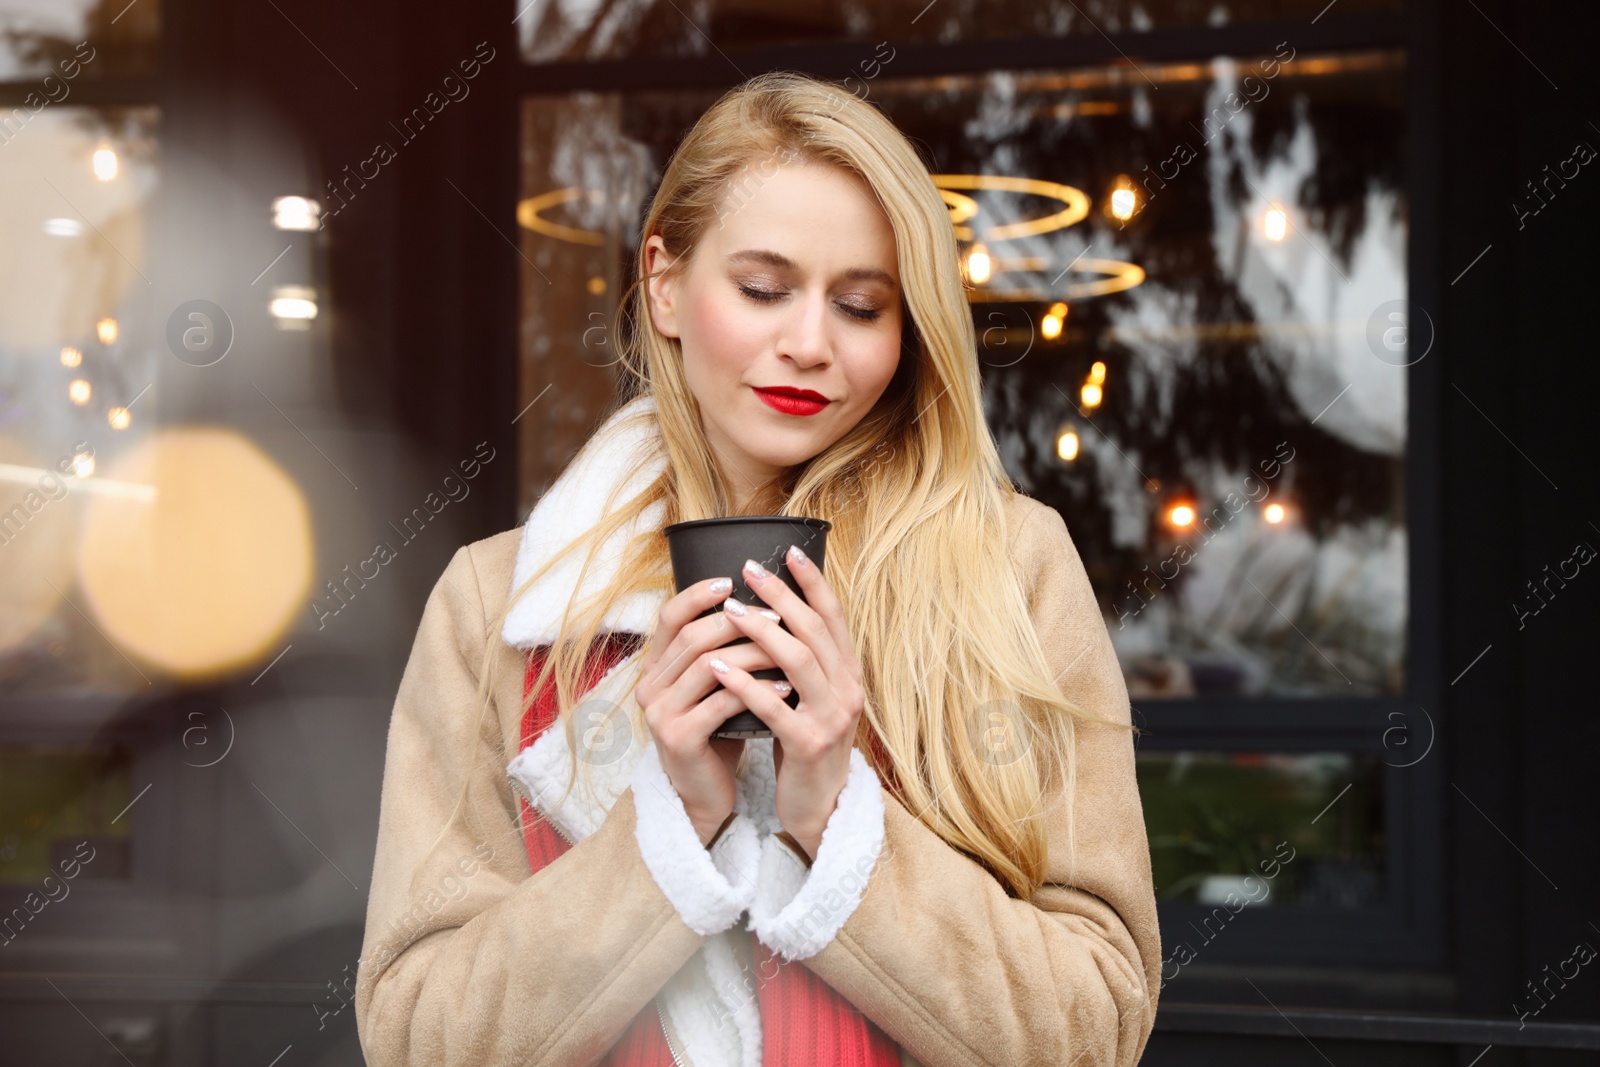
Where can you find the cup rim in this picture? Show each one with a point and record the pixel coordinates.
(821, 525)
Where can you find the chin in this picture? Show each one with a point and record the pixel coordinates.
(787, 458)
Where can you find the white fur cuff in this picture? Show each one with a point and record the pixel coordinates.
(797, 912)
(711, 889)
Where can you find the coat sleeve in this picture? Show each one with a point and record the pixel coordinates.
(930, 946)
(468, 958)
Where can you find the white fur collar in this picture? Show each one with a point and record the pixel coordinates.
(623, 450)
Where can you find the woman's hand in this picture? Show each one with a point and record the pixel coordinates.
(814, 739)
(672, 691)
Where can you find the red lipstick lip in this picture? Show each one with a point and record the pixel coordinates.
(784, 390)
(787, 401)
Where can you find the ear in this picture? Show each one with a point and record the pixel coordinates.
(661, 291)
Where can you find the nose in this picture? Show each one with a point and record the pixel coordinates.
(805, 337)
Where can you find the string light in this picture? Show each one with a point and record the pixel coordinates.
(1123, 203)
(1276, 224)
(105, 164)
(1053, 321)
(79, 391)
(106, 330)
(978, 264)
(1067, 445)
(71, 357)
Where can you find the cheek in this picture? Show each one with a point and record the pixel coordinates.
(723, 334)
(875, 359)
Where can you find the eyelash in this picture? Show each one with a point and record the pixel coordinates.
(762, 296)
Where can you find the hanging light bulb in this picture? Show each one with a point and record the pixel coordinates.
(1091, 394)
(1274, 513)
(78, 390)
(1122, 202)
(119, 417)
(70, 356)
(1097, 373)
(1181, 515)
(106, 330)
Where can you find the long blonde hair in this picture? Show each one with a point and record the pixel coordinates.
(948, 652)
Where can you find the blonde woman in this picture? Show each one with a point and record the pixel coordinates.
(940, 856)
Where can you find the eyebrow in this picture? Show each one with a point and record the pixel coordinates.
(783, 262)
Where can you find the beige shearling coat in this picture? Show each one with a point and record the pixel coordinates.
(469, 960)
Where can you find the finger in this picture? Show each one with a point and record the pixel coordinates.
(701, 635)
(806, 651)
(698, 678)
(683, 608)
(787, 650)
(821, 598)
(707, 716)
(672, 643)
(762, 696)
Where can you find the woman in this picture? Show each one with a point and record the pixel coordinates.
(940, 855)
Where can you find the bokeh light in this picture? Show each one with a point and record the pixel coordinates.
(207, 576)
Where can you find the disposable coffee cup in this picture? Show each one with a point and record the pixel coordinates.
(717, 548)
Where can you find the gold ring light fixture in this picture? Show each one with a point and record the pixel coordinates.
(1114, 275)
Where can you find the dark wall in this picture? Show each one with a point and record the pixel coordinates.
(1517, 347)
(421, 259)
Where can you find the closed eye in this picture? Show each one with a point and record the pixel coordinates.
(765, 296)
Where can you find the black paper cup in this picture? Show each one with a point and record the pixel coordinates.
(717, 548)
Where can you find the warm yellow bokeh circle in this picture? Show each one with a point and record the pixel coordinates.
(207, 575)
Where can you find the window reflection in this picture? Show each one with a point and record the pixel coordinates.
(74, 357)
(1224, 437)
(65, 40)
(1187, 305)
(554, 29)
(1272, 828)
(58, 804)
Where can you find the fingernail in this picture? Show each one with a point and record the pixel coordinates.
(770, 614)
(781, 686)
(722, 586)
(718, 665)
(733, 607)
(755, 570)
(798, 557)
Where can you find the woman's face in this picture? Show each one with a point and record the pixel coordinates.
(798, 287)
